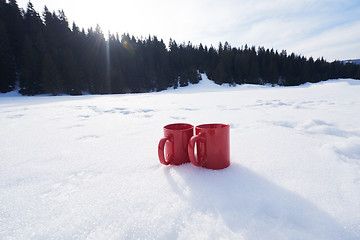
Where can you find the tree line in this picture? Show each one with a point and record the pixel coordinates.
(42, 54)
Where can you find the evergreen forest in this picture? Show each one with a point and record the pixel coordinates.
(43, 54)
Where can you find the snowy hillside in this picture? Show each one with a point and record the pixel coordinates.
(356, 61)
(86, 167)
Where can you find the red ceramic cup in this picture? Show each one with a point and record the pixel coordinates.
(212, 145)
(173, 147)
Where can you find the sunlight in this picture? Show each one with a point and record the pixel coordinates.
(108, 73)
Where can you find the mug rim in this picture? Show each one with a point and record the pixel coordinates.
(213, 126)
(179, 126)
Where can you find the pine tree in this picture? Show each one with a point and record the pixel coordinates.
(15, 29)
(28, 67)
(77, 43)
(357, 76)
(32, 55)
(7, 62)
(50, 77)
(253, 66)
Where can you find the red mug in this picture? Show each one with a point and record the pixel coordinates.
(173, 147)
(212, 145)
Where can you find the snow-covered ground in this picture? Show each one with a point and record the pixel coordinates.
(86, 167)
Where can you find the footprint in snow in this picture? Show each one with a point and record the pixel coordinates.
(178, 118)
(16, 116)
(88, 137)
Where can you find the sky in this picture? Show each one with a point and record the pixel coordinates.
(310, 28)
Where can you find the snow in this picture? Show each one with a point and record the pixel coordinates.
(86, 167)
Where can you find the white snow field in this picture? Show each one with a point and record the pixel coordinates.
(86, 167)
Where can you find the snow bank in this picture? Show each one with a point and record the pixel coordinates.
(86, 167)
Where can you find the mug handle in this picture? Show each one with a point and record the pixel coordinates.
(161, 151)
(191, 150)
